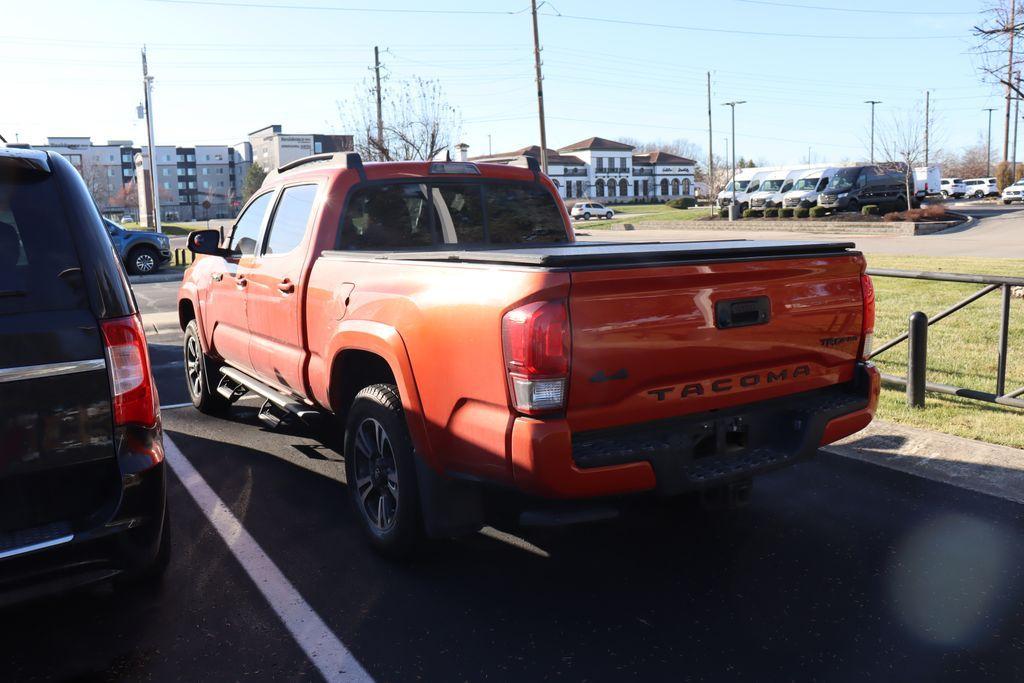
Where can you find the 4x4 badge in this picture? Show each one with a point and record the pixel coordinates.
(599, 376)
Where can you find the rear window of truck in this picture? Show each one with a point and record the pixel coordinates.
(398, 216)
(39, 269)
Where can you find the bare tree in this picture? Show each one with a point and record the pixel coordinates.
(98, 182)
(419, 123)
(902, 147)
(680, 146)
(999, 54)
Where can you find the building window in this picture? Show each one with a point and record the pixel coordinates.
(190, 157)
(165, 171)
(623, 188)
(647, 189)
(167, 157)
(181, 185)
(622, 163)
(110, 173)
(220, 170)
(191, 171)
(664, 186)
(220, 183)
(206, 171)
(599, 187)
(600, 163)
(611, 187)
(686, 186)
(207, 157)
(167, 186)
(126, 172)
(579, 188)
(675, 186)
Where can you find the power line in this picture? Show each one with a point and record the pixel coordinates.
(852, 9)
(335, 8)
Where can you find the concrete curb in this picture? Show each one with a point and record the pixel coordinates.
(158, 323)
(161, 276)
(982, 467)
(805, 225)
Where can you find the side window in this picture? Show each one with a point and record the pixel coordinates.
(247, 227)
(291, 217)
(388, 217)
(822, 184)
(460, 210)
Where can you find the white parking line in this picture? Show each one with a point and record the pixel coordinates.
(176, 405)
(323, 648)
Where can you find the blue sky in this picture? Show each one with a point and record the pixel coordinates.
(72, 68)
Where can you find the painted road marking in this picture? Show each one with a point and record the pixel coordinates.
(324, 649)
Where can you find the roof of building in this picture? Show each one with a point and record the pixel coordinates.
(531, 151)
(597, 143)
(657, 158)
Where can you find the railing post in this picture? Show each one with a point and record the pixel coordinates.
(1004, 336)
(917, 359)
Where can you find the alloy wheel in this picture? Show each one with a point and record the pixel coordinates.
(144, 262)
(194, 365)
(376, 475)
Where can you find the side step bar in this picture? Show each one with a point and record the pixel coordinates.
(234, 384)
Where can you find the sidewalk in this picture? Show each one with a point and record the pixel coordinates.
(158, 323)
(974, 465)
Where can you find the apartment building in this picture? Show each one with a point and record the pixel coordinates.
(614, 172)
(271, 147)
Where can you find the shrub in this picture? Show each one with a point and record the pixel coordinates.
(723, 213)
(771, 213)
(869, 210)
(801, 212)
(818, 211)
(786, 213)
(752, 213)
(682, 203)
(929, 213)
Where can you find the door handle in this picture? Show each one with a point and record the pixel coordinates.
(217, 277)
(286, 286)
(241, 282)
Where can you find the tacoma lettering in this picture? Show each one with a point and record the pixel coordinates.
(726, 384)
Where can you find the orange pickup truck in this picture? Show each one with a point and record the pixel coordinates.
(443, 315)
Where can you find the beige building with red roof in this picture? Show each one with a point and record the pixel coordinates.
(609, 171)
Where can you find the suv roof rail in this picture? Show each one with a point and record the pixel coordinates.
(350, 160)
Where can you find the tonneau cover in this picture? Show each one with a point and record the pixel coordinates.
(611, 253)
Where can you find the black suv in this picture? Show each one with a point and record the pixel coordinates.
(856, 186)
(82, 478)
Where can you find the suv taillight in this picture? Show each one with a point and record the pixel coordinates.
(131, 382)
(536, 342)
(868, 322)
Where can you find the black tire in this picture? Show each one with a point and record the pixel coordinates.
(381, 472)
(979, 194)
(200, 374)
(143, 261)
(1006, 201)
(853, 205)
(609, 215)
(586, 216)
(945, 195)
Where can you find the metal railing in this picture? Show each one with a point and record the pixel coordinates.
(918, 333)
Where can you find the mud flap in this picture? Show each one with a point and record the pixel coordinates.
(450, 507)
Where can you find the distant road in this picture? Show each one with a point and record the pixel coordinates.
(999, 233)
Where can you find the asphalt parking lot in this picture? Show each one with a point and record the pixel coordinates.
(838, 570)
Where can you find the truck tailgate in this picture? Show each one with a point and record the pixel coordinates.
(657, 342)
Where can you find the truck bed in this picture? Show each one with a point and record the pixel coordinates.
(615, 253)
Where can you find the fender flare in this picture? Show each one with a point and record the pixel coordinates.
(386, 342)
(189, 292)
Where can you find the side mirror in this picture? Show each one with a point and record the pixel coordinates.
(206, 242)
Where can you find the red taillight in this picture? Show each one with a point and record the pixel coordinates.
(131, 381)
(868, 322)
(535, 339)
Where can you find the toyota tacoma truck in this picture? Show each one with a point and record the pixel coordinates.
(443, 317)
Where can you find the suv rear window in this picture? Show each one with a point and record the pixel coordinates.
(39, 269)
(424, 215)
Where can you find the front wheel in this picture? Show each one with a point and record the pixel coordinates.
(979, 194)
(853, 205)
(945, 195)
(381, 472)
(143, 261)
(586, 216)
(1006, 201)
(608, 215)
(198, 372)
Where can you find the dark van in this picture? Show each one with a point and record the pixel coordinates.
(82, 490)
(857, 186)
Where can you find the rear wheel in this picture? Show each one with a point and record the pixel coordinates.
(586, 216)
(381, 472)
(143, 260)
(853, 205)
(608, 215)
(945, 195)
(199, 369)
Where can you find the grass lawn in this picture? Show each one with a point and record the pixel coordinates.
(640, 213)
(172, 229)
(962, 349)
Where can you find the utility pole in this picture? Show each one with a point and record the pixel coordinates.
(711, 156)
(147, 83)
(988, 147)
(733, 213)
(927, 103)
(380, 112)
(872, 103)
(489, 152)
(1012, 29)
(1016, 120)
(540, 90)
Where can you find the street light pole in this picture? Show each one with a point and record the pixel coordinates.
(872, 103)
(732, 206)
(988, 144)
(540, 90)
(147, 82)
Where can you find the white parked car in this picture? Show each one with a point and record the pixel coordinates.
(588, 210)
(981, 187)
(952, 187)
(1013, 193)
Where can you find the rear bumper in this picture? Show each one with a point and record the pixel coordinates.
(45, 560)
(692, 452)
